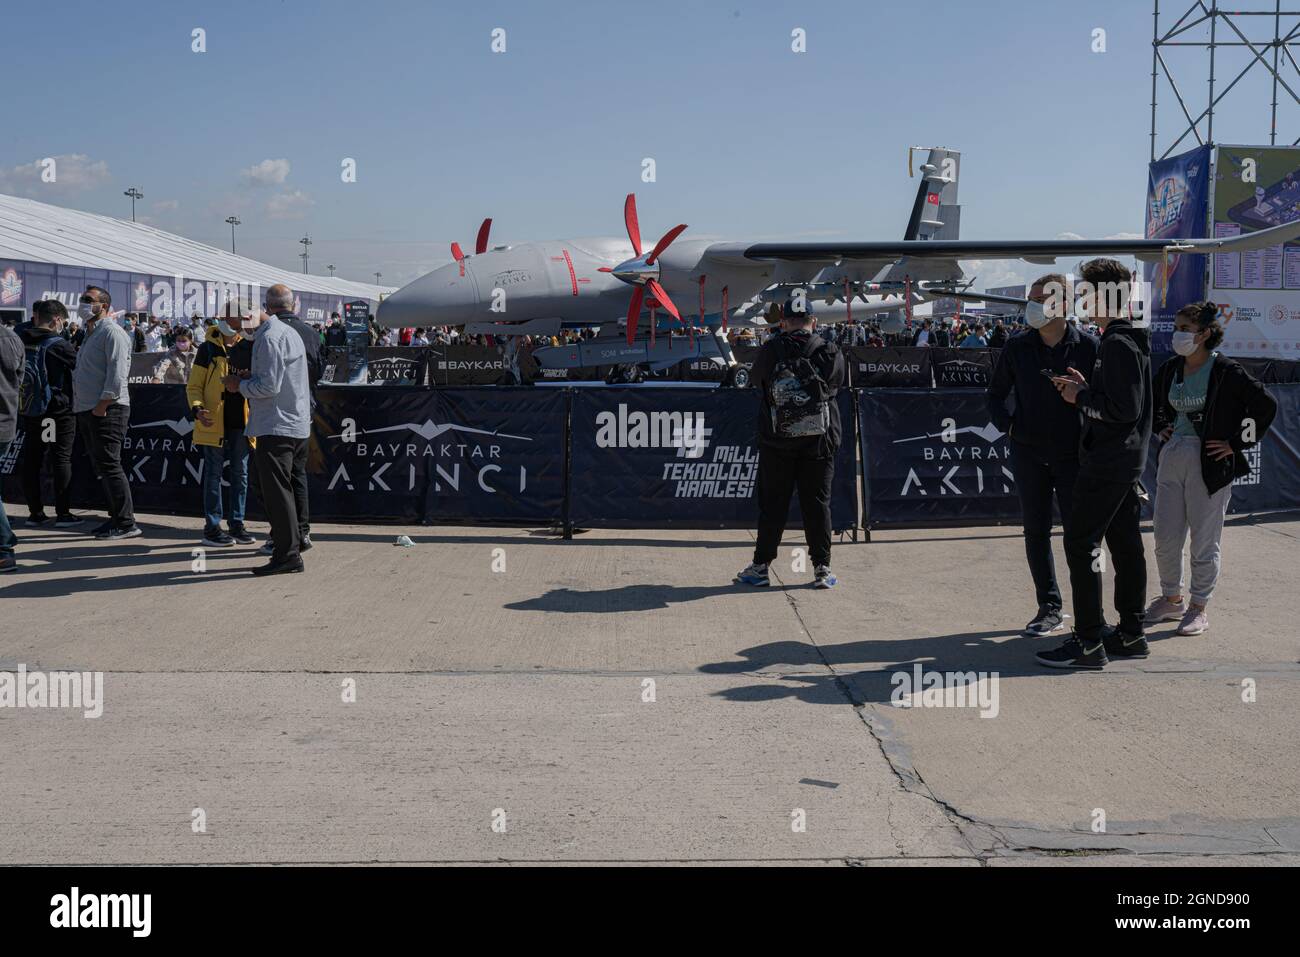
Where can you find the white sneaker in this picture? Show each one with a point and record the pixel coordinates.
(1195, 622)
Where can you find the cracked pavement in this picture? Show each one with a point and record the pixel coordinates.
(616, 699)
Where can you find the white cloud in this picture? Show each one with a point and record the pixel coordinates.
(66, 173)
(269, 172)
(1068, 235)
(289, 205)
(1125, 236)
(167, 206)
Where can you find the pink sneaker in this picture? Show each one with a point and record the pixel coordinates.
(1194, 622)
(1163, 610)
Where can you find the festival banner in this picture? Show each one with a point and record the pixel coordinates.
(1258, 292)
(903, 368)
(396, 365)
(1178, 191)
(963, 368)
(491, 456)
(933, 455)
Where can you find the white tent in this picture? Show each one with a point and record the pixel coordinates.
(38, 232)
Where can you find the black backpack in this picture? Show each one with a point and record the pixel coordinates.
(797, 394)
(35, 392)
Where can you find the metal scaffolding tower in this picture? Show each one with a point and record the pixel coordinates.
(1273, 54)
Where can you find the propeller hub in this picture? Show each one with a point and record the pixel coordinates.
(636, 271)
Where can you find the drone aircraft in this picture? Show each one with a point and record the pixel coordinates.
(675, 299)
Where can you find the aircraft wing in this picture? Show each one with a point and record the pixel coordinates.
(941, 253)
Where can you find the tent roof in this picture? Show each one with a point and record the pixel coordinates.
(40, 232)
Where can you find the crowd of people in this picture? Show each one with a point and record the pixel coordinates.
(1079, 411)
(250, 386)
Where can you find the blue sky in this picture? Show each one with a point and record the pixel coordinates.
(750, 139)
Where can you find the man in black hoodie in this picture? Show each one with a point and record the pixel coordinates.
(1115, 401)
(46, 409)
(797, 375)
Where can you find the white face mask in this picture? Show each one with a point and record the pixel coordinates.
(86, 311)
(1036, 315)
(1184, 343)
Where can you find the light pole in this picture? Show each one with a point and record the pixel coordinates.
(233, 221)
(378, 276)
(306, 241)
(135, 194)
(331, 269)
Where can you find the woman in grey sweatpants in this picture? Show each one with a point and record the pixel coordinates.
(1209, 410)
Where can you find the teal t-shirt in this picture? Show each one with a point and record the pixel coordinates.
(1189, 396)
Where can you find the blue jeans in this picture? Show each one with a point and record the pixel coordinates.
(8, 540)
(234, 449)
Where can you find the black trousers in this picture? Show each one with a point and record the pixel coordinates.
(1110, 511)
(778, 477)
(60, 454)
(1040, 476)
(103, 436)
(300, 490)
(275, 456)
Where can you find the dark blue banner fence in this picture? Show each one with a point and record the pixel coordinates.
(932, 456)
(683, 458)
(623, 457)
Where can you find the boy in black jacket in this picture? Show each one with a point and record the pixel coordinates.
(798, 375)
(1116, 405)
(49, 424)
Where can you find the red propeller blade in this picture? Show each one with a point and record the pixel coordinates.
(664, 242)
(661, 294)
(633, 227)
(634, 312)
(456, 252)
(480, 244)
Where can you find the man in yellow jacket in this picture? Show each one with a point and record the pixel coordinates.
(219, 420)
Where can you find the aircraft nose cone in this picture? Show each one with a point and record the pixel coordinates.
(440, 298)
(635, 270)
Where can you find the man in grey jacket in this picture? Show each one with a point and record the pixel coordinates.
(102, 405)
(279, 418)
(11, 374)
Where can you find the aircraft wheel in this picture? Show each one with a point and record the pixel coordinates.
(737, 378)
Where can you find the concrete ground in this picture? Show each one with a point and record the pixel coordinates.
(614, 699)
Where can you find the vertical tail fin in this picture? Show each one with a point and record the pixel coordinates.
(936, 213)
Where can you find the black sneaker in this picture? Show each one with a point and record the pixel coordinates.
(126, 531)
(68, 521)
(305, 544)
(216, 538)
(38, 520)
(280, 568)
(1075, 655)
(268, 547)
(240, 535)
(1047, 622)
(1120, 644)
(102, 530)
